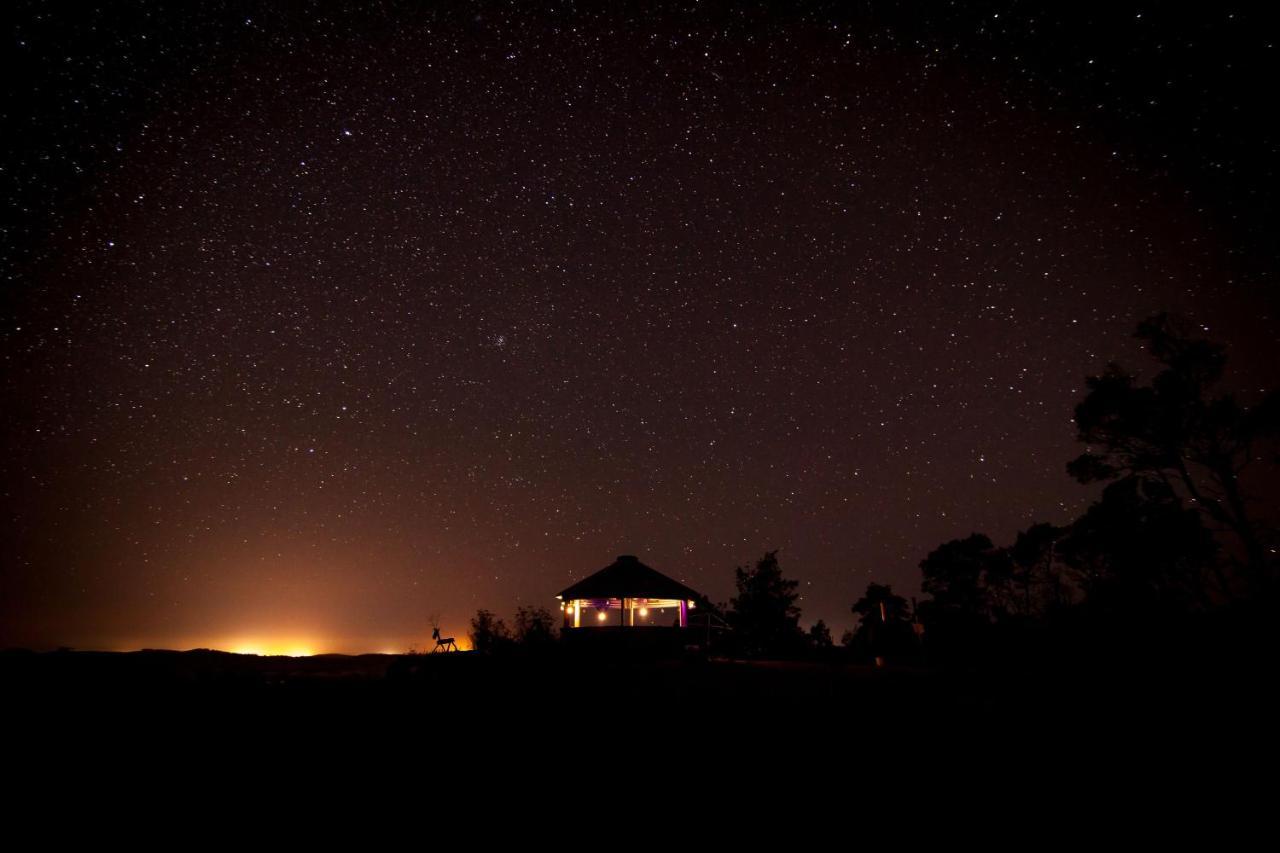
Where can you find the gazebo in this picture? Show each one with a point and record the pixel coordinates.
(626, 594)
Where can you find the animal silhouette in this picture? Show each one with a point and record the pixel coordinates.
(443, 644)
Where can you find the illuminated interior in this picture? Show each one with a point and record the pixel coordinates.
(626, 612)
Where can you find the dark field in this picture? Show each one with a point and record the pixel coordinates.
(467, 727)
(577, 696)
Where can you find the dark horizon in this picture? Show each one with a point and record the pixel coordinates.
(320, 322)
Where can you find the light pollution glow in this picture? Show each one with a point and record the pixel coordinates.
(291, 645)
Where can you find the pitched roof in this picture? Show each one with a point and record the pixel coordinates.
(627, 577)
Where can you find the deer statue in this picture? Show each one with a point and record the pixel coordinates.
(443, 644)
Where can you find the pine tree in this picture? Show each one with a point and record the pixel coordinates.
(764, 613)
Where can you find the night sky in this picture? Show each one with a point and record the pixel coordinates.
(318, 323)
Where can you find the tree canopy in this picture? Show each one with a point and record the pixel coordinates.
(881, 604)
(884, 624)
(535, 627)
(1139, 547)
(1176, 432)
(820, 635)
(489, 633)
(961, 575)
(764, 614)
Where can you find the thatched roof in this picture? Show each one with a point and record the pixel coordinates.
(627, 577)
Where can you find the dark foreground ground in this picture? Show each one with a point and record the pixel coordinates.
(576, 701)
(465, 741)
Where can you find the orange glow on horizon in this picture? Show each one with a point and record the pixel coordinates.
(295, 645)
(273, 648)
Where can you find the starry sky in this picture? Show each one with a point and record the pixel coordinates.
(318, 323)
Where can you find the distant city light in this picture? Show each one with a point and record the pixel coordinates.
(272, 649)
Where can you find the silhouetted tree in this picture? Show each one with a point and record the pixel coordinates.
(488, 632)
(535, 627)
(884, 627)
(880, 603)
(1172, 431)
(970, 581)
(968, 576)
(820, 635)
(1139, 548)
(1039, 581)
(764, 614)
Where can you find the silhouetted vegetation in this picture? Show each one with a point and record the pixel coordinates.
(885, 629)
(1038, 587)
(820, 636)
(535, 628)
(1172, 539)
(1195, 447)
(1141, 548)
(764, 614)
(534, 631)
(489, 634)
